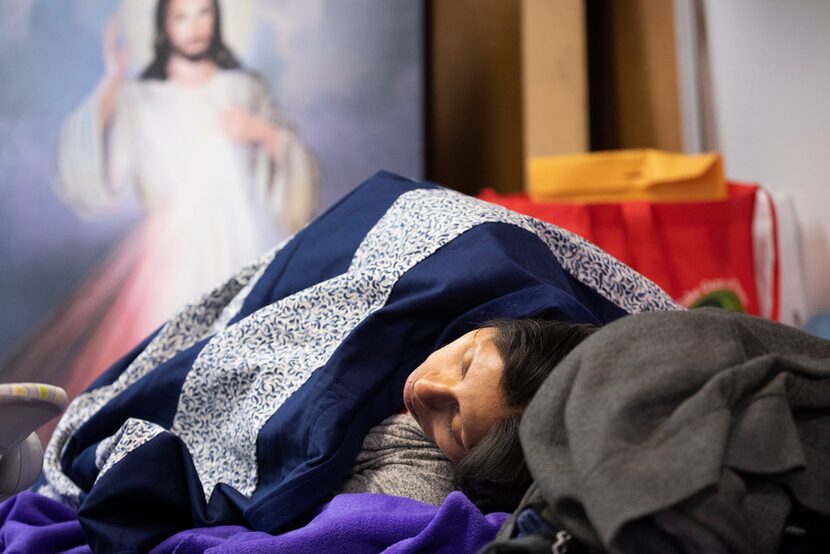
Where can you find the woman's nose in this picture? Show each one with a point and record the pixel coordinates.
(434, 392)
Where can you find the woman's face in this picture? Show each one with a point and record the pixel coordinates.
(189, 26)
(455, 395)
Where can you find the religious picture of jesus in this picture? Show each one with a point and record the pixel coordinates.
(221, 175)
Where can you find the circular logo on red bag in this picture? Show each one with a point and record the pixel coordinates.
(727, 294)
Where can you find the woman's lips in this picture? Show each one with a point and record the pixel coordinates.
(407, 397)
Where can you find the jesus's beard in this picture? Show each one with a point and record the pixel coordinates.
(200, 56)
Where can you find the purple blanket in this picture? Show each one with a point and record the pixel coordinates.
(363, 522)
(33, 523)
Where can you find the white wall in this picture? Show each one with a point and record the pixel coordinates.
(770, 66)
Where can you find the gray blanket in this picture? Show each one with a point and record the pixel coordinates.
(697, 427)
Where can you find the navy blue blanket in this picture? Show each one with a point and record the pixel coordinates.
(250, 404)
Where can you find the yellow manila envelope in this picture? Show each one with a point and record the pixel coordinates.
(620, 175)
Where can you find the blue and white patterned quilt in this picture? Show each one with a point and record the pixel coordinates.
(249, 405)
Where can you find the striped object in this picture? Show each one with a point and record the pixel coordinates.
(33, 391)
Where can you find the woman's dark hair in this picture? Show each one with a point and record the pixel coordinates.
(494, 474)
(217, 51)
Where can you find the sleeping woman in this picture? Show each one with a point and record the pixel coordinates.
(258, 401)
(464, 404)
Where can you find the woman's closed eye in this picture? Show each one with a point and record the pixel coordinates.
(466, 361)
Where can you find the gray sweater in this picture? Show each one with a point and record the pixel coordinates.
(397, 458)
